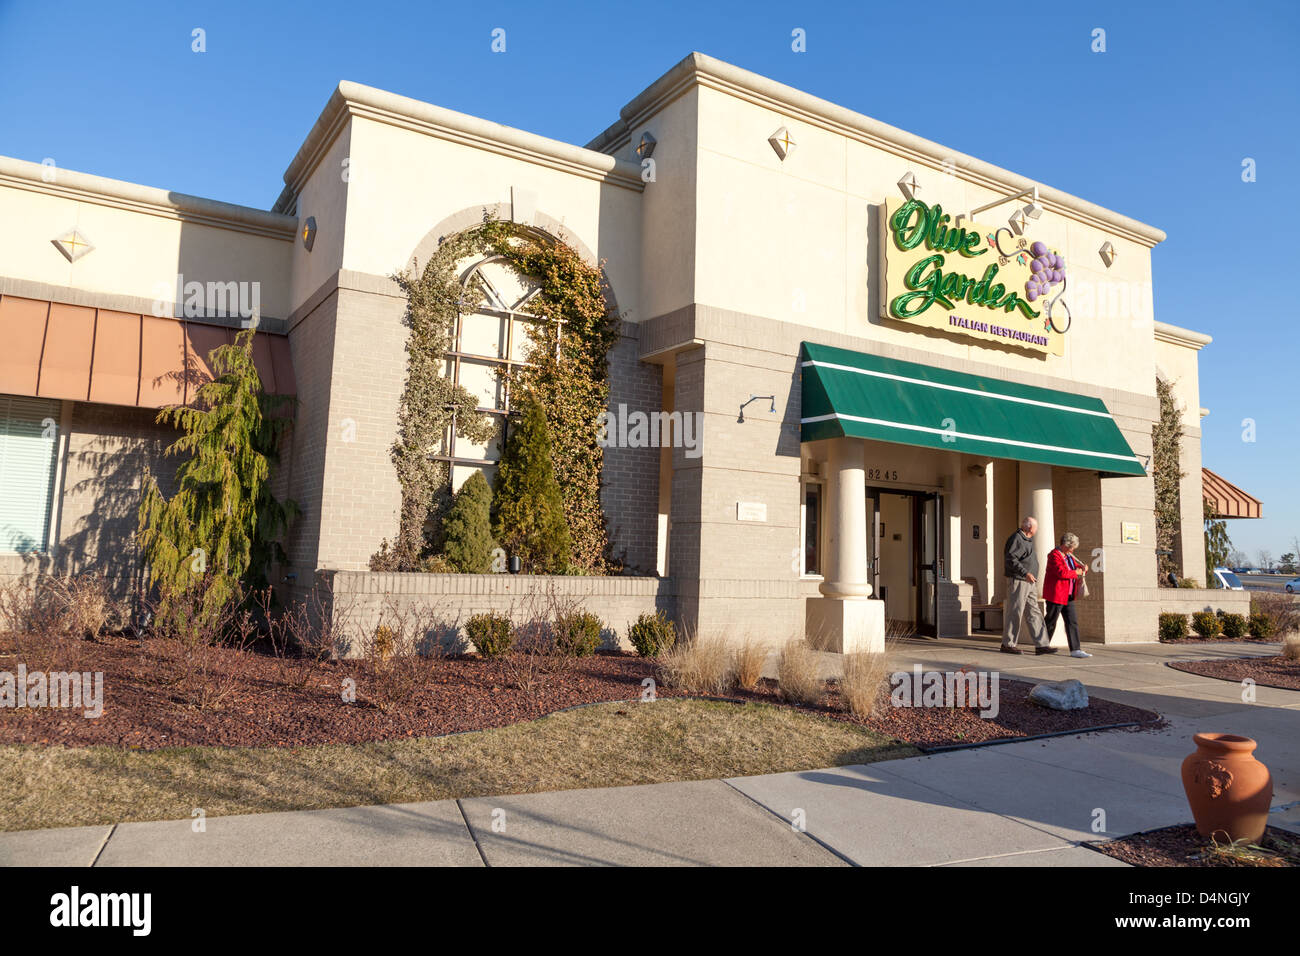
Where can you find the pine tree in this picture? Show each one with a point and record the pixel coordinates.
(1166, 440)
(467, 529)
(222, 527)
(529, 520)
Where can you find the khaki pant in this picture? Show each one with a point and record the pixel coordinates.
(1022, 610)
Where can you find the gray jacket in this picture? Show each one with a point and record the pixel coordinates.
(1019, 558)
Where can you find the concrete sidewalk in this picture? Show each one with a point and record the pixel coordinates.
(1022, 804)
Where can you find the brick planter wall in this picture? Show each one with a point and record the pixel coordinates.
(359, 601)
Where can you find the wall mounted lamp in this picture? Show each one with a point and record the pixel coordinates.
(755, 398)
(645, 149)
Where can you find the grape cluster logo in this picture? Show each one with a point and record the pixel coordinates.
(1048, 270)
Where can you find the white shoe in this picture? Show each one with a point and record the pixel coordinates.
(1080, 653)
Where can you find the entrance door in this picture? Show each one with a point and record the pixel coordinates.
(929, 548)
(904, 556)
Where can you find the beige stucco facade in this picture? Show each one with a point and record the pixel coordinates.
(722, 257)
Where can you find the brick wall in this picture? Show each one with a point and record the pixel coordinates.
(629, 494)
(359, 601)
(108, 450)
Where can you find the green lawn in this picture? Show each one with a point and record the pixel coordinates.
(606, 745)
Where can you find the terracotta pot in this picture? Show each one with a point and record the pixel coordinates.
(1228, 789)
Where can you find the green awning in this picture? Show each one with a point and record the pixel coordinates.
(855, 395)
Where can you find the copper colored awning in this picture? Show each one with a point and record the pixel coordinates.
(53, 350)
(1226, 499)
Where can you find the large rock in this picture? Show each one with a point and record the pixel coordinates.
(1060, 695)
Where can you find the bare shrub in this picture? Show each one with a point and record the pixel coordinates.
(399, 653)
(797, 675)
(204, 657)
(865, 674)
(748, 659)
(302, 637)
(15, 604)
(700, 666)
(536, 654)
(1282, 610)
(48, 617)
(1291, 647)
(79, 606)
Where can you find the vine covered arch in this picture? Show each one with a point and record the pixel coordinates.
(501, 310)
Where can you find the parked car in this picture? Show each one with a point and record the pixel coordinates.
(1293, 586)
(1224, 578)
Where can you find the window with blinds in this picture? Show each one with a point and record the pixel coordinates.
(28, 442)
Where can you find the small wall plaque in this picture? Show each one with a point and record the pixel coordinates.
(1130, 532)
(751, 511)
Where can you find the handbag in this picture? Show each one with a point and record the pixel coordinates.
(1083, 581)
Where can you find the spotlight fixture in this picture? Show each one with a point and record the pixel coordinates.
(1107, 253)
(755, 398)
(309, 233)
(645, 149)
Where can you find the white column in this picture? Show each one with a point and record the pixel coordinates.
(1036, 500)
(845, 619)
(952, 505)
(992, 554)
(846, 513)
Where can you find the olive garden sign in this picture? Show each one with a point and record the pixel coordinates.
(970, 280)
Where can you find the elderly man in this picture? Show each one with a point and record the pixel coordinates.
(1021, 568)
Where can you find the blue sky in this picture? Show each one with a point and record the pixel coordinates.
(1156, 127)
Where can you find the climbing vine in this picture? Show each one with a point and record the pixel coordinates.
(1166, 439)
(569, 379)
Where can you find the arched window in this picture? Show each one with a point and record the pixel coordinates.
(488, 342)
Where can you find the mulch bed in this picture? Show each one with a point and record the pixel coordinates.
(1183, 846)
(1197, 639)
(1264, 671)
(269, 702)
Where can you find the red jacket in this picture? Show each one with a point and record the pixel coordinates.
(1060, 580)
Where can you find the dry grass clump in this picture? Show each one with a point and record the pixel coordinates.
(1291, 647)
(797, 675)
(748, 659)
(865, 673)
(79, 606)
(702, 666)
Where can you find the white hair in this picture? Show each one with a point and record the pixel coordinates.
(1069, 540)
(1029, 522)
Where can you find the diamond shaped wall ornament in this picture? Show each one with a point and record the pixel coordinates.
(909, 185)
(1107, 253)
(309, 233)
(645, 149)
(1018, 222)
(782, 143)
(73, 245)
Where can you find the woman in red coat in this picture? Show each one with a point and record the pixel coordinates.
(1060, 586)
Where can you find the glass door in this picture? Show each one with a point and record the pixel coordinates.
(928, 548)
(873, 542)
